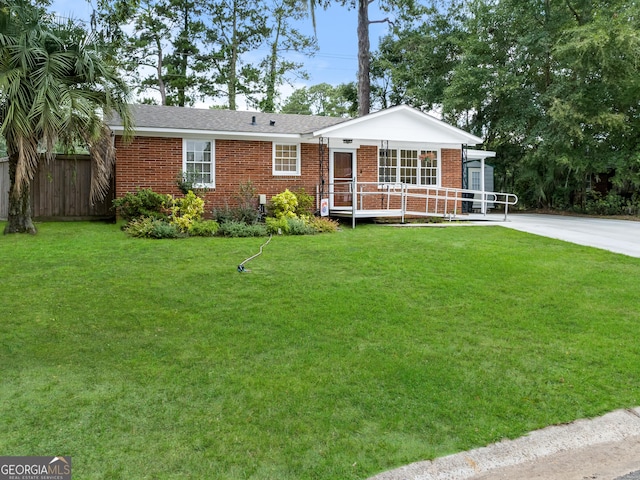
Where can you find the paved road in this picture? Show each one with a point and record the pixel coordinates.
(620, 236)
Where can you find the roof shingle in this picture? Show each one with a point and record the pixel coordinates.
(182, 118)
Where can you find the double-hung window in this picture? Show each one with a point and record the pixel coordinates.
(429, 167)
(199, 162)
(388, 166)
(286, 159)
(413, 167)
(409, 167)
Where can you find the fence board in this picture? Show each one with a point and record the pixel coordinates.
(60, 191)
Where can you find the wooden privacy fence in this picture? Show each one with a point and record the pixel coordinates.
(60, 190)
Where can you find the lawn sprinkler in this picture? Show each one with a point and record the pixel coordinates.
(241, 268)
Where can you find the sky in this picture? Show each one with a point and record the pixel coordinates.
(336, 60)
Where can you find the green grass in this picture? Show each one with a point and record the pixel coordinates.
(337, 357)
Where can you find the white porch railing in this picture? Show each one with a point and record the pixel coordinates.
(373, 199)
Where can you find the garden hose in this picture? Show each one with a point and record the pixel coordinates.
(241, 268)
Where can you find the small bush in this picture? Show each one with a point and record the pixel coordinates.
(142, 203)
(277, 226)
(246, 214)
(298, 226)
(186, 210)
(284, 205)
(233, 228)
(324, 224)
(147, 227)
(305, 203)
(206, 228)
(223, 214)
(611, 204)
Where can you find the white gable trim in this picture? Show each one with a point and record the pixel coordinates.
(380, 126)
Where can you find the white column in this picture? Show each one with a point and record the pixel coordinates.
(484, 197)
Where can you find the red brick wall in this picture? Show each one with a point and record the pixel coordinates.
(150, 162)
(155, 163)
(451, 168)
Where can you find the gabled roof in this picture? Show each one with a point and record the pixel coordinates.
(157, 118)
(399, 124)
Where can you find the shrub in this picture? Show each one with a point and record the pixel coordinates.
(284, 205)
(611, 204)
(206, 228)
(324, 224)
(142, 203)
(233, 228)
(147, 227)
(186, 210)
(247, 209)
(223, 214)
(277, 226)
(305, 203)
(185, 181)
(299, 226)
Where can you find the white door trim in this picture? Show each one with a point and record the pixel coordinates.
(354, 165)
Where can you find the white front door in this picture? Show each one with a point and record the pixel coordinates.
(342, 170)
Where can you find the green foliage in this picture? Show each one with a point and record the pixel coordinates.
(203, 228)
(146, 227)
(291, 214)
(186, 181)
(300, 226)
(324, 224)
(186, 210)
(277, 226)
(56, 87)
(142, 203)
(323, 100)
(283, 205)
(558, 106)
(610, 204)
(306, 203)
(232, 228)
(247, 204)
(246, 209)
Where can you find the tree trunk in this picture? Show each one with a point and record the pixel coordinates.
(233, 61)
(19, 204)
(159, 66)
(270, 102)
(364, 82)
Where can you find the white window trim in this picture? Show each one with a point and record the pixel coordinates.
(419, 172)
(211, 184)
(277, 173)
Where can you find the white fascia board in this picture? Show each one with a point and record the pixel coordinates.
(182, 133)
(479, 154)
(353, 128)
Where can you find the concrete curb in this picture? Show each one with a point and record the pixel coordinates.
(534, 447)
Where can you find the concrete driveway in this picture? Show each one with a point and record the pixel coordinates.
(620, 236)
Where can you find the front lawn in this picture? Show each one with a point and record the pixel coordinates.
(337, 357)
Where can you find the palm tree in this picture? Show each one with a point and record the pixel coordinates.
(55, 88)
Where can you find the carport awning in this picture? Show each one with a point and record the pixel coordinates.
(401, 124)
